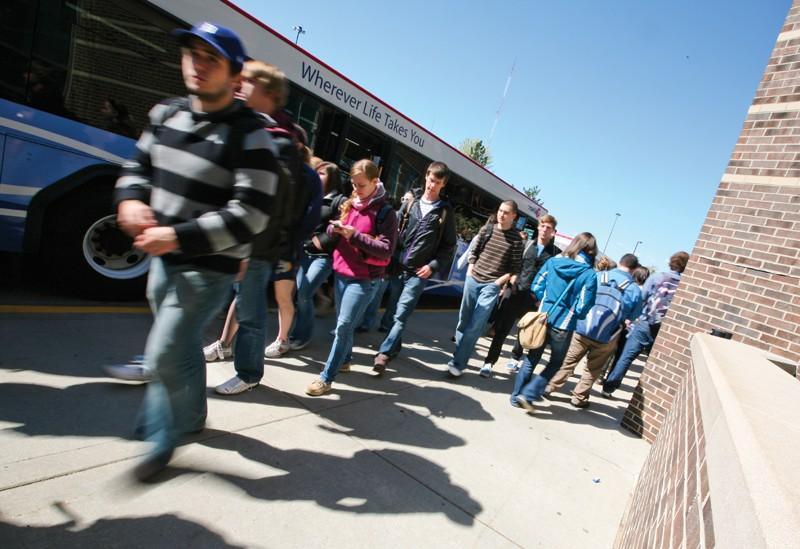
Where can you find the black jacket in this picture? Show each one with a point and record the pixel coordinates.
(531, 263)
(427, 241)
(329, 211)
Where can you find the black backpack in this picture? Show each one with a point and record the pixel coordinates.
(292, 197)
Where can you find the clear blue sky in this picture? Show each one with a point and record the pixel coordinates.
(626, 106)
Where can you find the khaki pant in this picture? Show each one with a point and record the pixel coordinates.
(598, 355)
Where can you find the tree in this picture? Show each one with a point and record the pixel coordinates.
(467, 226)
(476, 150)
(533, 193)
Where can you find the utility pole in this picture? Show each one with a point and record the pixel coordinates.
(300, 30)
(616, 217)
(637, 245)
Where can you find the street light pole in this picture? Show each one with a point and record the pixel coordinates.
(616, 217)
(637, 245)
(300, 30)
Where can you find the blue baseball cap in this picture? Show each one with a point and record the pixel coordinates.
(222, 39)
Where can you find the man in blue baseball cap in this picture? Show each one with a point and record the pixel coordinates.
(224, 40)
(192, 199)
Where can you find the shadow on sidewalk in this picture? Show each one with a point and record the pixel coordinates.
(96, 409)
(152, 532)
(366, 482)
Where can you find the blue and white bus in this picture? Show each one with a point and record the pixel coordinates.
(77, 78)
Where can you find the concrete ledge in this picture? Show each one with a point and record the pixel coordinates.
(751, 418)
(760, 179)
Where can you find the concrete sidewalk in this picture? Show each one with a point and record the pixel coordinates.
(407, 460)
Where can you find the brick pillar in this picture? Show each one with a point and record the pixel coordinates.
(744, 271)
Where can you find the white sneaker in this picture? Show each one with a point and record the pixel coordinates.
(217, 351)
(486, 371)
(453, 371)
(276, 349)
(234, 386)
(129, 372)
(512, 366)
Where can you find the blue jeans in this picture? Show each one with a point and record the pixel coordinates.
(352, 297)
(532, 386)
(411, 288)
(314, 270)
(371, 312)
(638, 340)
(395, 289)
(183, 301)
(477, 303)
(251, 313)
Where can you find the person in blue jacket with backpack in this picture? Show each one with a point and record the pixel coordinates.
(658, 293)
(565, 286)
(619, 300)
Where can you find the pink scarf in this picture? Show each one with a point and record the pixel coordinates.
(377, 194)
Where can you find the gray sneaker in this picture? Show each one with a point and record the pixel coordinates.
(234, 386)
(522, 401)
(129, 372)
(296, 344)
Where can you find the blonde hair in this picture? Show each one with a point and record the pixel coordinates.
(547, 218)
(364, 167)
(604, 263)
(271, 78)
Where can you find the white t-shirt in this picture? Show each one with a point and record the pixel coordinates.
(425, 207)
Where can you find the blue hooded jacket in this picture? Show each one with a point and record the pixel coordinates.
(553, 279)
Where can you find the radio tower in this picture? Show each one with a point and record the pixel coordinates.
(502, 102)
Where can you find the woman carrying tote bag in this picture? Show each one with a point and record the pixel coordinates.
(566, 287)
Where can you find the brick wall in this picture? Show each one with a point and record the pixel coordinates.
(670, 506)
(744, 271)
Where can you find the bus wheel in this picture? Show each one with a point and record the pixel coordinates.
(90, 255)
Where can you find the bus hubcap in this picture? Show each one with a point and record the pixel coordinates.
(110, 252)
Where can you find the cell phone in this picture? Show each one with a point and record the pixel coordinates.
(336, 223)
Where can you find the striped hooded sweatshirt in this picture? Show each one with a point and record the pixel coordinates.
(215, 194)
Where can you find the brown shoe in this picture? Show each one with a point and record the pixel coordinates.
(381, 360)
(318, 388)
(579, 403)
(344, 368)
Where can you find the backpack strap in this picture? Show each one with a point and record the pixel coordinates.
(624, 285)
(561, 297)
(405, 213)
(487, 234)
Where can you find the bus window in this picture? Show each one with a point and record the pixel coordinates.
(361, 142)
(329, 137)
(75, 59)
(406, 171)
(306, 111)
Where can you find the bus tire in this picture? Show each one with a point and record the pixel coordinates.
(86, 253)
